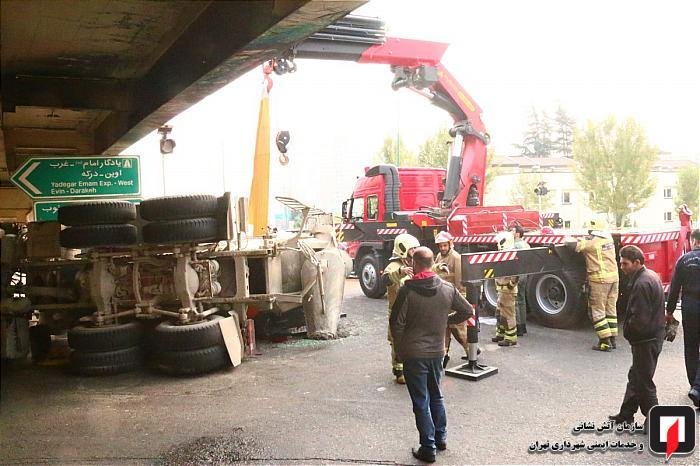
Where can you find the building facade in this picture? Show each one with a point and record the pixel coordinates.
(567, 199)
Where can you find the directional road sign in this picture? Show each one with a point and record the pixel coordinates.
(47, 211)
(79, 177)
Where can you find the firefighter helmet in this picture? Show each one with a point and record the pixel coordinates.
(443, 237)
(596, 224)
(547, 230)
(505, 240)
(403, 243)
(598, 227)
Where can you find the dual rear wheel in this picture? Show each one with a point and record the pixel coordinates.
(555, 299)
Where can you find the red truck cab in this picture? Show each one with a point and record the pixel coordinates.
(387, 191)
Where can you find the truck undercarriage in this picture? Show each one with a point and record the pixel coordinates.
(160, 278)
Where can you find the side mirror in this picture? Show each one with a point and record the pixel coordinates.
(344, 210)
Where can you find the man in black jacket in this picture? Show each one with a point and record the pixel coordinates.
(643, 327)
(686, 279)
(424, 306)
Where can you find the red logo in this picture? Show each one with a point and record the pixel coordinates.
(672, 439)
(672, 430)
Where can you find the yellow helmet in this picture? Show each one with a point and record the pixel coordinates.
(596, 224)
(598, 227)
(505, 240)
(403, 243)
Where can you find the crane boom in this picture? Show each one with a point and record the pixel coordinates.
(417, 65)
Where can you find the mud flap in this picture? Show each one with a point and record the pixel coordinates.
(233, 339)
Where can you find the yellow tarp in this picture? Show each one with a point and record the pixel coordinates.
(260, 185)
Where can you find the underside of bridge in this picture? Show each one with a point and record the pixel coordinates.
(86, 77)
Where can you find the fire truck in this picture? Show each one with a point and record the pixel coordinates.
(388, 201)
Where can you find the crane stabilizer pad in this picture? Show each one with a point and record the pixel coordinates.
(473, 373)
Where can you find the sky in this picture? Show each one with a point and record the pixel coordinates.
(595, 58)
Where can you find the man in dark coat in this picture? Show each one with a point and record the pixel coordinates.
(686, 281)
(643, 327)
(424, 306)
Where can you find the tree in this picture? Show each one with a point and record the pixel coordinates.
(492, 170)
(387, 154)
(564, 127)
(523, 193)
(687, 188)
(435, 150)
(537, 140)
(614, 161)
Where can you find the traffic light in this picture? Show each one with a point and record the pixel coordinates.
(541, 189)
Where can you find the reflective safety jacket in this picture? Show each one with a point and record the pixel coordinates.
(453, 260)
(393, 279)
(601, 264)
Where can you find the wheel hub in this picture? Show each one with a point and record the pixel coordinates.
(369, 276)
(551, 294)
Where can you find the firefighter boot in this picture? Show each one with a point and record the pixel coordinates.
(500, 334)
(603, 345)
(521, 329)
(510, 337)
(613, 342)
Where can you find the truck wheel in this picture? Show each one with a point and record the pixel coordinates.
(192, 230)
(179, 207)
(97, 213)
(370, 279)
(555, 299)
(105, 363)
(90, 236)
(106, 338)
(193, 362)
(490, 302)
(168, 336)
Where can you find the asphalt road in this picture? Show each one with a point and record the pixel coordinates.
(332, 402)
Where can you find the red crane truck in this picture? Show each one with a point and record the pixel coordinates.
(388, 201)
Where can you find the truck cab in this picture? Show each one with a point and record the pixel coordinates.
(386, 192)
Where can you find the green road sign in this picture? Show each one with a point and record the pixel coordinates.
(81, 177)
(47, 211)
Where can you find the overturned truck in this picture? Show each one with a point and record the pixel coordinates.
(157, 281)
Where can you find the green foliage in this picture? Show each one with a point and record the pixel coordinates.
(388, 155)
(492, 170)
(435, 150)
(537, 140)
(546, 136)
(614, 162)
(523, 193)
(687, 188)
(564, 127)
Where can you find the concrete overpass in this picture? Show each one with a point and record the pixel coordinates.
(85, 77)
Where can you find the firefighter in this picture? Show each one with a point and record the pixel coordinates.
(599, 251)
(685, 215)
(448, 265)
(507, 289)
(521, 305)
(399, 269)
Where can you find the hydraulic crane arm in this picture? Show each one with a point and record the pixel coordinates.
(417, 65)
